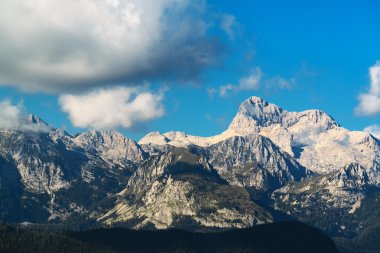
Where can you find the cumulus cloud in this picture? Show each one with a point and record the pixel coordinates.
(112, 108)
(13, 117)
(63, 46)
(374, 130)
(369, 103)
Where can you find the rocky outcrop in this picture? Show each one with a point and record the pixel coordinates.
(181, 189)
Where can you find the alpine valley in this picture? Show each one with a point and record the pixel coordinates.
(269, 165)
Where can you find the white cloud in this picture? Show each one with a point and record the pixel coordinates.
(226, 90)
(369, 103)
(59, 46)
(253, 82)
(374, 130)
(281, 83)
(111, 108)
(211, 92)
(230, 25)
(13, 117)
(250, 82)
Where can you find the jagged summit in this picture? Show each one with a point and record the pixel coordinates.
(102, 135)
(313, 137)
(34, 119)
(32, 123)
(109, 138)
(256, 113)
(262, 111)
(111, 145)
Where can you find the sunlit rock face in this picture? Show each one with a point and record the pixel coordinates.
(311, 137)
(180, 187)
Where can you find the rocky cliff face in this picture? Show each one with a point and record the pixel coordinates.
(312, 137)
(43, 165)
(112, 147)
(182, 188)
(340, 189)
(41, 168)
(255, 161)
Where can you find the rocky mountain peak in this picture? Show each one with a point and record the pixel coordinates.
(256, 112)
(155, 138)
(111, 145)
(312, 137)
(33, 123)
(34, 119)
(109, 138)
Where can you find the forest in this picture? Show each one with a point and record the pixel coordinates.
(269, 238)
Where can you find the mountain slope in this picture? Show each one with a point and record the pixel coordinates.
(48, 175)
(181, 189)
(254, 161)
(112, 147)
(339, 196)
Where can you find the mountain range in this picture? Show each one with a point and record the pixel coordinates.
(269, 165)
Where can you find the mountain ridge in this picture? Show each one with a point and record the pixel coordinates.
(305, 135)
(269, 165)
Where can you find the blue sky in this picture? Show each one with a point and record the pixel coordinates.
(322, 50)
